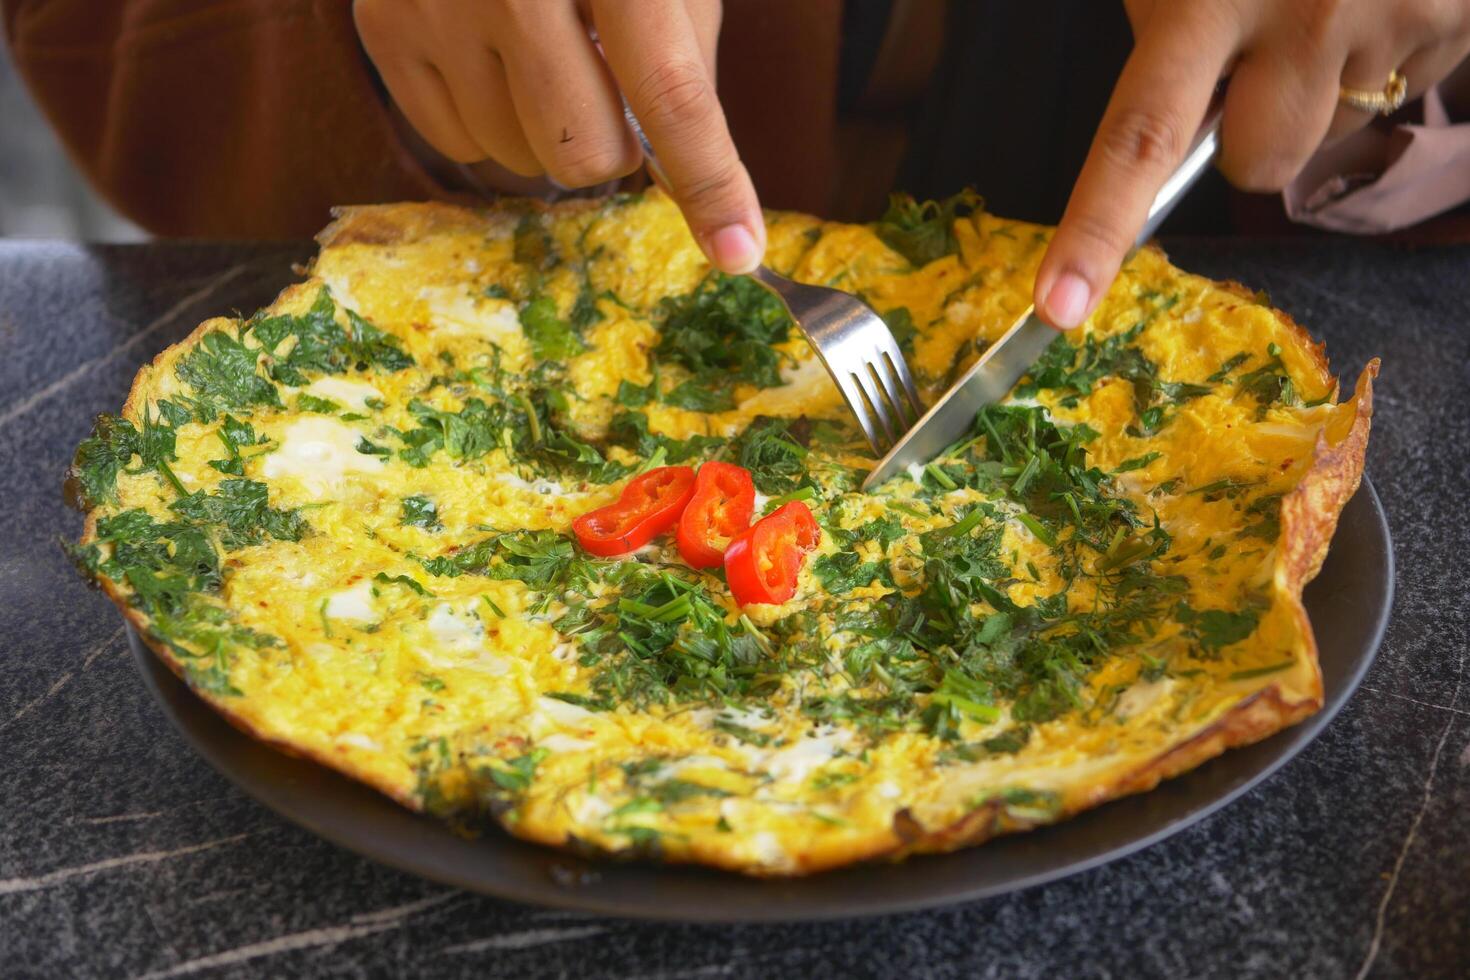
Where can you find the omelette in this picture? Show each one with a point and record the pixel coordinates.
(345, 522)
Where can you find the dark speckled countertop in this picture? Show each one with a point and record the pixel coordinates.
(122, 854)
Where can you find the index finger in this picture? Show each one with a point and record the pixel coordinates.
(1157, 105)
(654, 52)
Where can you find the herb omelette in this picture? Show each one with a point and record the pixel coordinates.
(344, 522)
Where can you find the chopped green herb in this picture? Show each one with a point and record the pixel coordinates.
(322, 345)
(776, 461)
(741, 733)
(515, 775)
(241, 512)
(630, 429)
(111, 447)
(551, 338)
(419, 511)
(407, 581)
(1231, 364)
(844, 571)
(901, 324)
(723, 334)
(924, 232)
(1245, 675)
(1216, 628)
(221, 372)
(321, 406)
(1137, 462)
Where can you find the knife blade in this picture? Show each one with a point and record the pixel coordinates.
(1007, 360)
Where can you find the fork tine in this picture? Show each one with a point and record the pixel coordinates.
(853, 395)
(882, 373)
(898, 367)
(863, 377)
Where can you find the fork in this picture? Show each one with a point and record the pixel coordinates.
(858, 351)
(852, 342)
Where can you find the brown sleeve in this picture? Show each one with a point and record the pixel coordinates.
(219, 118)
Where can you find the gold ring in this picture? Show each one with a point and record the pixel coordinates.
(1384, 102)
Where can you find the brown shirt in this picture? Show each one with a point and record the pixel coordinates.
(226, 119)
(251, 118)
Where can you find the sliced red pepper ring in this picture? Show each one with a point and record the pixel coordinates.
(649, 505)
(723, 503)
(762, 564)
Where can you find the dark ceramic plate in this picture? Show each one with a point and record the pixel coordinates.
(1349, 605)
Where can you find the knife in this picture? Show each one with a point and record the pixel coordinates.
(1008, 359)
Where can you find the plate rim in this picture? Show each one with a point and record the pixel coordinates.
(155, 674)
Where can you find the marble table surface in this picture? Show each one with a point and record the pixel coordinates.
(122, 854)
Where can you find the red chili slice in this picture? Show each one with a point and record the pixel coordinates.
(723, 503)
(762, 564)
(649, 505)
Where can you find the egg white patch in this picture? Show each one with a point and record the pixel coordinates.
(319, 453)
(456, 310)
(459, 641)
(355, 603)
(797, 760)
(342, 293)
(693, 762)
(455, 631)
(766, 849)
(359, 741)
(542, 486)
(590, 810)
(753, 718)
(352, 394)
(557, 742)
(1142, 696)
(562, 712)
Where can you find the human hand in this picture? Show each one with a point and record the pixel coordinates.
(522, 82)
(1286, 60)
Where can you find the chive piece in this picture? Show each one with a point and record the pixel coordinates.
(493, 607)
(805, 493)
(828, 819)
(1071, 500)
(1028, 473)
(965, 525)
(941, 477)
(168, 473)
(994, 436)
(1036, 528)
(752, 631)
(1245, 675)
(532, 422)
(659, 457)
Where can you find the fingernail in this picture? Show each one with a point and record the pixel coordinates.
(1066, 304)
(732, 249)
